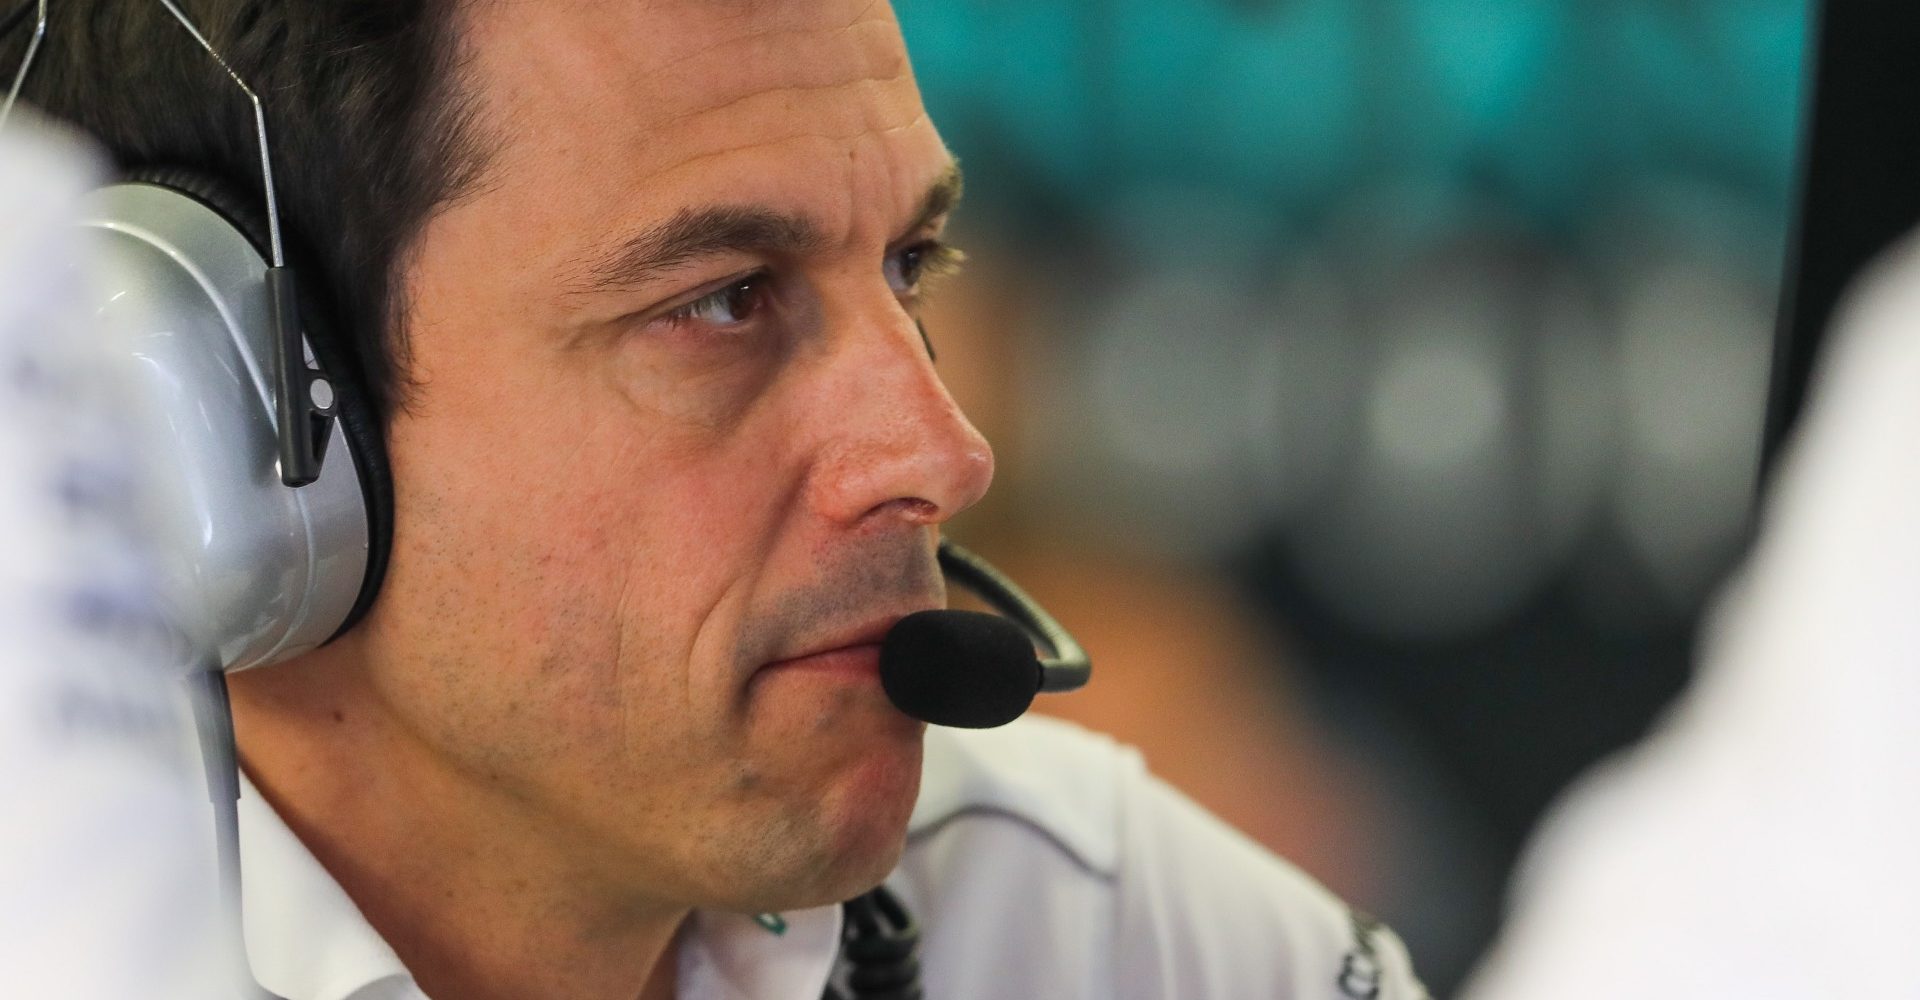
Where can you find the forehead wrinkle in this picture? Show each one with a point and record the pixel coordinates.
(784, 91)
(860, 20)
(650, 68)
(698, 159)
(864, 65)
(661, 154)
(942, 196)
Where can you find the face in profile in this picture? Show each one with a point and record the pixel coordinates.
(675, 455)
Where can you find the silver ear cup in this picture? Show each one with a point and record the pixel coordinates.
(254, 571)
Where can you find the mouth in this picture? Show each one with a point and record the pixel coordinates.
(853, 652)
(860, 660)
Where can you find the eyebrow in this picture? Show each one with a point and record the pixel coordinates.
(942, 196)
(695, 233)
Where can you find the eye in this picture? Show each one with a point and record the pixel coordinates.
(911, 265)
(731, 305)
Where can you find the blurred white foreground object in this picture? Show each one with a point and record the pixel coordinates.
(1762, 843)
(106, 883)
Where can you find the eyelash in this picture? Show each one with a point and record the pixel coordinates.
(754, 283)
(936, 260)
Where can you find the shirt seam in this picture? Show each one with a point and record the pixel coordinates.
(981, 811)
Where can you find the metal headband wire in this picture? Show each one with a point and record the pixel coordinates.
(259, 114)
(259, 129)
(33, 46)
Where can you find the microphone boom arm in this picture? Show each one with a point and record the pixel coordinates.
(1066, 667)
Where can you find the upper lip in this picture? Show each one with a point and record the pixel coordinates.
(866, 633)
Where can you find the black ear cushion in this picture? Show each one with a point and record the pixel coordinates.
(354, 411)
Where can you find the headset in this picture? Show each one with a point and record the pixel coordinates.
(281, 513)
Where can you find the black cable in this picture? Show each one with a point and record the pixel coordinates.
(882, 947)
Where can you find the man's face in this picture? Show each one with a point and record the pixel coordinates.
(674, 428)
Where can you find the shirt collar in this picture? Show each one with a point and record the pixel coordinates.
(307, 941)
(728, 956)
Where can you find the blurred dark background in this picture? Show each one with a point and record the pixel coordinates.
(1377, 386)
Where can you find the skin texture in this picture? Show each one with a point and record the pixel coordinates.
(555, 733)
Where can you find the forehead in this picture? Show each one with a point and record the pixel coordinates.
(659, 102)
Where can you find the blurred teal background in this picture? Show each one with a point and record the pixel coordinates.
(1414, 352)
(1296, 104)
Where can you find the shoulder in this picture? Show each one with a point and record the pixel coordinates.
(1042, 831)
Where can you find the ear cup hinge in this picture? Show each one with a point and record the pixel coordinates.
(304, 398)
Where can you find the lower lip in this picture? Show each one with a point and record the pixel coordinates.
(850, 661)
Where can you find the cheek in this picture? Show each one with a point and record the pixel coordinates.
(580, 552)
(509, 559)
(555, 548)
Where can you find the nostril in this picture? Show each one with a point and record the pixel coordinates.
(906, 510)
(919, 511)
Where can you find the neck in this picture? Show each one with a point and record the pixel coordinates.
(478, 896)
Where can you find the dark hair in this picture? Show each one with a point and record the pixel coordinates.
(369, 126)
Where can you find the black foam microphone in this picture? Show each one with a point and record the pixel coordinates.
(959, 668)
(972, 670)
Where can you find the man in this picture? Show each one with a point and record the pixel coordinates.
(636, 285)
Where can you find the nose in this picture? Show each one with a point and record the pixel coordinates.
(899, 447)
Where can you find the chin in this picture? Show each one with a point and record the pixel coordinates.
(848, 840)
(869, 817)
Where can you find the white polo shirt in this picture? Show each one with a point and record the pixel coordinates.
(1041, 861)
(105, 863)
